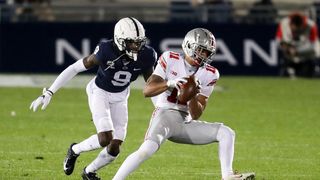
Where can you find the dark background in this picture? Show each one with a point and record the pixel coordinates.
(31, 47)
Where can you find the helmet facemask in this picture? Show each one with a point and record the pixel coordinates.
(132, 47)
(201, 55)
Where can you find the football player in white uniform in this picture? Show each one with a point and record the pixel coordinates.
(176, 121)
(121, 60)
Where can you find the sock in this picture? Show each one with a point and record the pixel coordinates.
(226, 137)
(135, 159)
(102, 160)
(89, 144)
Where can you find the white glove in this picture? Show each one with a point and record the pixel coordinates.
(176, 83)
(43, 99)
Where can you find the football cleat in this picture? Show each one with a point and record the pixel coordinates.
(89, 176)
(241, 176)
(70, 160)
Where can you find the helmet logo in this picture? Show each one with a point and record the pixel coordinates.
(197, 37)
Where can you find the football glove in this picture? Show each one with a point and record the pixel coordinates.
(44, 99)
(176, 83)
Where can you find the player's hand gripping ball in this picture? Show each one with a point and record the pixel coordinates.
(188, 90)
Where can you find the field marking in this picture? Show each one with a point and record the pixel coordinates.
(31, 170)
(181, 173)
(276, 144)
(45, 80)
(26, 152)
(259, 175)
(191, 155)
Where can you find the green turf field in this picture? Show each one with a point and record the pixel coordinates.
(277, 122)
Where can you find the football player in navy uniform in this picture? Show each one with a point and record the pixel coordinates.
(120, 60)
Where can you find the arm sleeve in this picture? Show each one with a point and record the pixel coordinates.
(67, 74)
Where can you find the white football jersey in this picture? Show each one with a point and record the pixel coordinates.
(172, 65)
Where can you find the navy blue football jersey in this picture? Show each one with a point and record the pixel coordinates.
(116, 70)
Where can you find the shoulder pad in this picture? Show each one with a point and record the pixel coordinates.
(214, 74)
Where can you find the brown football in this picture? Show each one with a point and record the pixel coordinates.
(188, 90)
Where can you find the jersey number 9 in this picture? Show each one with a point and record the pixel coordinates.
(121, 78)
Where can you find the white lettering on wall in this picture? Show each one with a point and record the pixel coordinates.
(226, 55)
(63, 46)
(251, 46)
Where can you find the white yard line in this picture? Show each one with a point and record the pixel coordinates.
(45, 80)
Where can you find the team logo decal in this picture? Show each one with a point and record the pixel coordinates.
(110, 64)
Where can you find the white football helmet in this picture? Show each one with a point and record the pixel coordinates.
(129, 36)
(198, 42)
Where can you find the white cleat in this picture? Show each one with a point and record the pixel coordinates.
(241, 176)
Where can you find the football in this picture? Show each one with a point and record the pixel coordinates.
(188, 90)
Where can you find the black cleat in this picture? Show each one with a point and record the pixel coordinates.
(89, 176)
(70, 160)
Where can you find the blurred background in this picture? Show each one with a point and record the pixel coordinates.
(45, 36)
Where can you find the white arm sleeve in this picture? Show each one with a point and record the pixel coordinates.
(67, 74)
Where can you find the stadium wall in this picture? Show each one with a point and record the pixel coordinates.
(51, 47)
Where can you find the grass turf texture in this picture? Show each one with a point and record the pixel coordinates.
(276, 121)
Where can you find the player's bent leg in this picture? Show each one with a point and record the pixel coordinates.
(74, 151)
(89, 144)
(226, 138)
(101, 160)
(105, 157)
(132, 162)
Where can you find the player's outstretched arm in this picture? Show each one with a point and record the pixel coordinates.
(155, 85)
(79, 66)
